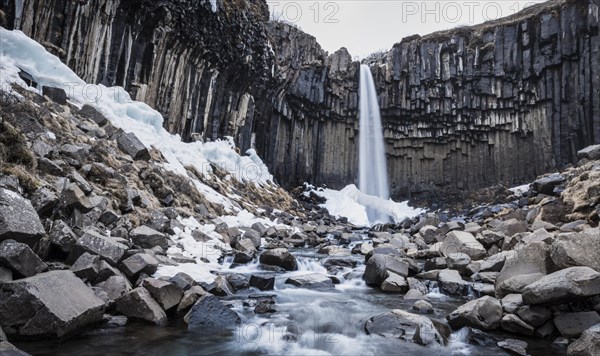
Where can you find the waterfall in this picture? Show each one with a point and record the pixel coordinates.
(372, 164)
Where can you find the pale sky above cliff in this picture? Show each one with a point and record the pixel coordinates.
(366, 26)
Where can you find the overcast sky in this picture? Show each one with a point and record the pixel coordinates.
(366, 26)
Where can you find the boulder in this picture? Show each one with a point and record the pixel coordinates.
(74, 198)
(534, 315)
(591, 152)
(484, 313)
(511, 227)
(458, 261)
(168, 295)
(313, 280)
(44, 200)
(8, 349)
(515, 325)
(220, 287)
(532, 259)
(18, 219)
(20, 259)
(253, 236)
(376, 270)
(6, 275)
(516, 347)
(62, 236)
(190, 297)
(209, 315)
(146, 237)
(563, 286)
(184, 281)
(139, 305)
(394, 283)
(577, 249)
(279, 257)
(512, 302)
(131, 144)
(137, 264)
(108, 248)
(414, 294)
(262, 282)
(463, 242)
(115, 286)
(422, 307)
(54, 304)
(238, 281)
(86, 267)
(574, 324)
(547, 184)
(260, 228)
(496, 262)
(91, 113)
(588, 344)
(451, 283)
(401, 324)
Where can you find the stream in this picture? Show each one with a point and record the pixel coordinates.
(327, 321)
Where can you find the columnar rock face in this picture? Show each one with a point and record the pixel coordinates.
(465, 108)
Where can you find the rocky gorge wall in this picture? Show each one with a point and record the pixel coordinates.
(462, 109)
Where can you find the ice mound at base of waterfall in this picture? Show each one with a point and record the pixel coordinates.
(352, 204)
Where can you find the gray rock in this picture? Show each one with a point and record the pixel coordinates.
(262, 282)
(57, 95)
(534, 315)
(221, 287)
(44, 200)
(435, 263)
(54, 304)
(18, 219)
(138, 264)
(496, 262)
(463, 242)
(588, 344)
(484, 313)
(489, 238)
(401, 324)
(422, 307)
(530, 259)
(209, 315)
(512, 302)
(74, 198)
(6, 275)
(590, 152)
(279, 257)
(376, 270)
(87, 267)
(339, 262)
(563, 286)
(190, 297)
(105, 270)
(260, 228)
(91, 113)
(51, 167)
(514, 324)
(20, 259)
(146, 237)
(310, 281)
(246, 246)
(115, 286)
(62, 236)
(253, 236)
(451, 283)
(458, 261)
(547, 184)
(238, 281)
(574, 324)
(8, 349)
(168, 295)
(184, 281)
(577, 249)
(414, 294)
(108, 248)
(516, 347)
(139, 305)
(131, 144)
(394, 283)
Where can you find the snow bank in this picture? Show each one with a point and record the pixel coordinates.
(352, 204)
(17, 51)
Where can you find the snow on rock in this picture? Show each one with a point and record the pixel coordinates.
(19, 52)
(352, 204)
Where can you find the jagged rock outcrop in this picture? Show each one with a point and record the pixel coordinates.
(465, 108)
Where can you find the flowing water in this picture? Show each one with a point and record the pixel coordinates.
(373, 178)
(307, 322)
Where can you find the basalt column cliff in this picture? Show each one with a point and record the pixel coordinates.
(466, 108)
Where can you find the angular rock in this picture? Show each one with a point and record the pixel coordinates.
(310, 281)
(588, 344)
(511, 227)
(62, 236)
(131, 144)
(139, 305)
(146, 237)
(514, 324)
(8, 349)
(86, 267)
(422, 307)
(44, 200)
(209, 315)
(74, 198)
(91, 113)
(451, 283)
(221, 287)
(394, 283)
(260, 228)
(458, 261)
(376, 270)
(547, 184)
(253, 236)
(532, 259)
(577, 249)
(238, 281)
(279, 257)
(184, 281)
(115, 286)
(6, 275)
(137, 264)
(57, 95)
(463, 242)
(574, 324)
(512, 302)
(414, 294)
(401, 324)
(20, 259)
(516, 347)
(534, 315)
(262, 282)
(190, 297)
(168, 295)
(484, 313)
(18, 219)
(54, 304)
(106, 247)
(563, 286)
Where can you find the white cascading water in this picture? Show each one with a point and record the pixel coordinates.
(372, 164)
